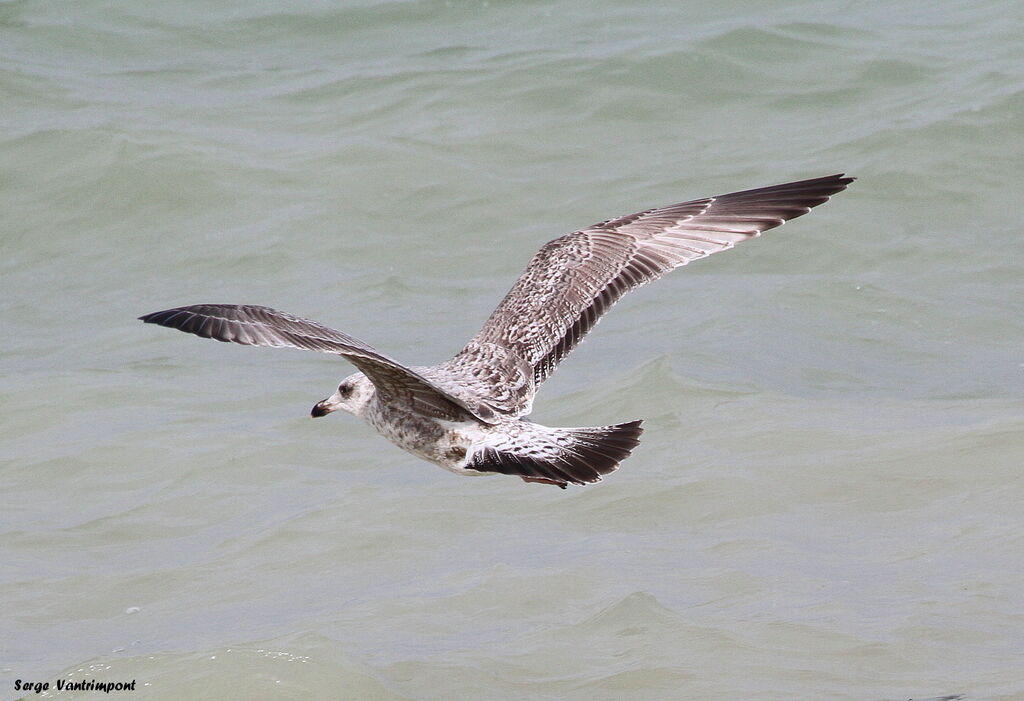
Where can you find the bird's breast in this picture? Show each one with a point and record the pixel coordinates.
(425, 437)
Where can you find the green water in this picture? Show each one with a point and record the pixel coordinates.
(827, 500)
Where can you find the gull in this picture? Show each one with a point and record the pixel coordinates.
(469, 414)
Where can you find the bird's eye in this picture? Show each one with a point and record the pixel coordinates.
(345, 390)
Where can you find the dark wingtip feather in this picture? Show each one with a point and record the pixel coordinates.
(161, 317)
(190, 319)
(829, 185)
(841, 180)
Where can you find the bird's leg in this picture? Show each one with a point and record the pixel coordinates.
(543, 480)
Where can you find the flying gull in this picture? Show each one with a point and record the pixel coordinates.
(469, 414)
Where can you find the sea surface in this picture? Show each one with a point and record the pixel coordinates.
(828, 502)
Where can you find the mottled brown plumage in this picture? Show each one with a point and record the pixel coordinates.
(466, 414)
(574, 279)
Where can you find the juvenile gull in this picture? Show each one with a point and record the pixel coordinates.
(468, 414)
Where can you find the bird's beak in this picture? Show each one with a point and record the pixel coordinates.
(323, 408)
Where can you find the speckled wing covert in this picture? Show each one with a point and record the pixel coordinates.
(251, 325)
(574, 279)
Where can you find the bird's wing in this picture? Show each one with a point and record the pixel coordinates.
(250, 325)
(575, 278)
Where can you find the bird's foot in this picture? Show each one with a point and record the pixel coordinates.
(543, 480)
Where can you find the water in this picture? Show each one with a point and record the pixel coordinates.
(826, 503)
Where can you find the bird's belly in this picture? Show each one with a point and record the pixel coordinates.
(439, 442)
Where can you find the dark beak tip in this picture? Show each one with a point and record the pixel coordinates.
(318, 411)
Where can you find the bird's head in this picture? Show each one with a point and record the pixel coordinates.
(352, 395)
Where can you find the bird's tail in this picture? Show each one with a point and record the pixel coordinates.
(559, 455)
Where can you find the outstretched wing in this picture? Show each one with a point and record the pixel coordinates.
(575, 278)
(250, 325)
